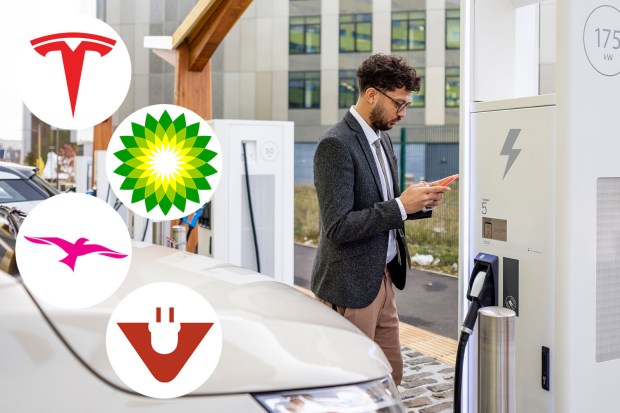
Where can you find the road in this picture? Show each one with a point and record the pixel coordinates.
(429, 301)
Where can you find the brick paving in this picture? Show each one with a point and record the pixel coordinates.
(427, 385)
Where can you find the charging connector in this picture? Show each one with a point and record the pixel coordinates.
(164, 335)
(482, 292)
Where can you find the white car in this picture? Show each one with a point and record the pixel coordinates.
(282, 350)
(22, 188)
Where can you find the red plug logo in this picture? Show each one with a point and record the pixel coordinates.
(164, 340)
(165, 347)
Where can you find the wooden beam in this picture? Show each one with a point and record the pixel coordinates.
(192, 89)
(193, 21)
(205, 27)
(101, 138)
(203, 43)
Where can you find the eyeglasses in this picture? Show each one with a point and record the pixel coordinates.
(399, 106)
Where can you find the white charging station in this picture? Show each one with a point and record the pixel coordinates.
(83, 171)
(540, 189)
(228, 236)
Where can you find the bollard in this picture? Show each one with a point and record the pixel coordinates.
(496, 360)
(179, 237)
(158, 233)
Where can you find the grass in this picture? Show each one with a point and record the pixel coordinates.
(437, 236)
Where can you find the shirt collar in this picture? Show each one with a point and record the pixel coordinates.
(371, 135)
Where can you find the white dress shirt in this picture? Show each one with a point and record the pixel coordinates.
(372, 136)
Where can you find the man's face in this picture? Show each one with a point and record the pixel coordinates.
(391, 107)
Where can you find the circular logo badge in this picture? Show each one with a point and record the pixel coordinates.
(164, 340)
(73, 251)
(601, 40)
(164, 162)
(75, 71)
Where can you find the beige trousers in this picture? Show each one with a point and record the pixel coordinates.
(379, 321)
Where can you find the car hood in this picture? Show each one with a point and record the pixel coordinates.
(24, 206)
(274, 337)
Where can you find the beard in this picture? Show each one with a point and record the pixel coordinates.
(377, 121)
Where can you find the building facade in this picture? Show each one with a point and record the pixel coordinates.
(296, 59)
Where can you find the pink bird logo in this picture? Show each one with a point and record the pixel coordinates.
(76, 250)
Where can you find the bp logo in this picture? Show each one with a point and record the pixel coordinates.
(164, 162)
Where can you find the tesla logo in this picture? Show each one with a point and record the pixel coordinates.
(509, 150)
(165, 347)
(74, 70)
(73, 57)
(76, 250)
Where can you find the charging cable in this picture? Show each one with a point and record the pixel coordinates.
(247, 185)
(482, 294)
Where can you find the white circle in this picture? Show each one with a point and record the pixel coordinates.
(62, 270)
(161, 161)
(269, 151)
(139, 308)
(50, 56)
(601, 40)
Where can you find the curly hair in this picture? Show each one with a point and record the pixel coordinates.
(386, 72)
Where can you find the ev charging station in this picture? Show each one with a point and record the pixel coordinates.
(540, 190)
(232, 226)
(227, 234)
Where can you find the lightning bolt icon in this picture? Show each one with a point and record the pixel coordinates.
(509, 150)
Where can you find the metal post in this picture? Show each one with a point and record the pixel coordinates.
(179, 236)
(158, 233)
(496, 360)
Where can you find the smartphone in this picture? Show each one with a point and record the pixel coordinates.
(448, 179)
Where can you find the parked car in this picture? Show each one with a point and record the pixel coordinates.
(21, 187)
(282, 350)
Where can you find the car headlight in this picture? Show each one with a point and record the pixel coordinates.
(379, 396)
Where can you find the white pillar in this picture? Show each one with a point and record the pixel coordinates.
(435, 81)
(382, 26)
(330, 25)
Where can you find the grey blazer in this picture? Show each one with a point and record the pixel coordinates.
(354, 218)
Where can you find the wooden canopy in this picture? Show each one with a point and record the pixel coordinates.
(193, 45)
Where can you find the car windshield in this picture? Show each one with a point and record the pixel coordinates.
(19, 190)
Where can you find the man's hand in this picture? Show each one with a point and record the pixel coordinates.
(420, 195)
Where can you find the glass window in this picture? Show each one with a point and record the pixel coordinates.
(17, 190)
(304, 90)
(453, 29)
(419, 99)
(409, 30)
(453, 87)
(347, 89)
(355, 33)
(305, 35)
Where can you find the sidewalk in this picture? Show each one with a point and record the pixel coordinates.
(428, 376)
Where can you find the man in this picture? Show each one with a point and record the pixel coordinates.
(362, 249)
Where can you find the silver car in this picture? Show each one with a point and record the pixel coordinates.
(282, 350)
(21, 187)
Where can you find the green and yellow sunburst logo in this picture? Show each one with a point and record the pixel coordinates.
(165, 162)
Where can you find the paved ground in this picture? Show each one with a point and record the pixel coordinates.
(429, 301)
(428, 384)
